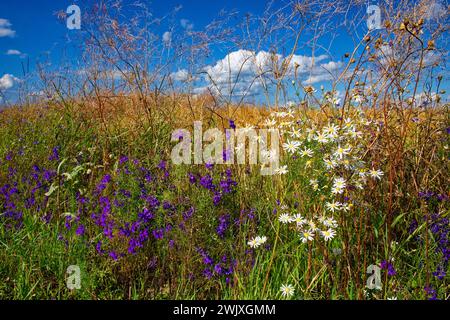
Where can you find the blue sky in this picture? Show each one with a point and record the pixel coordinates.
(38, 31)
(29, 30)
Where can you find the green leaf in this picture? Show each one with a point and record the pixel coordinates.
(52, 189)
(60, 165)
(397, 219)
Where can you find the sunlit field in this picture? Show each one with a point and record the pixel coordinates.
(356, 206)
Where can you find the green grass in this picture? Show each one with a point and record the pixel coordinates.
(35, 255)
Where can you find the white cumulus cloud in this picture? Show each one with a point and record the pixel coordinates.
(13, 52)
(7, 81)
(180, 75)
(247, 73)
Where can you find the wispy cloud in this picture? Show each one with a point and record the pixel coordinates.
(7, 81)
(167, 37)
(5, 30)
(186, 24)
(14, 52)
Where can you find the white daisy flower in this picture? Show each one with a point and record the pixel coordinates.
(257, 241)
(330, 222)
(306, 153)
(322, 138)
(339, 185)
(284, 218)
(331, 131)
(314, 183)
(333, 206)
(270, 123)
(261, 240)
(376, 174)
(329, 163)
(341, 152)
(348, 122)
(253, 243)
(295, 133)
(298, 219)
(312, 225)
(281, 170)
(339, 182)
(306, 236)
(291, 146)
(346, 207)
(362, 172)
(328, 234)
(335, 190)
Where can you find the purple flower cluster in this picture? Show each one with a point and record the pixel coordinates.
(12, 215)
(55, 154)
(130, 209)
(224, 222)
(386, 265)
(103, 184)
(225, 185)
(430, 195)
(431, 293)
(440, 227)
(221, 267)
(23, 191)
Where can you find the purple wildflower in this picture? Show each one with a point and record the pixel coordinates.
(192, 178)
(440, 273)
(389, 267)
(158, 233)
(162, 165)
(113, 255)
(431, 293)
(55, 154)
(123, 159)
(224, 221)
(207, 182)
(80, 230)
